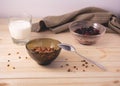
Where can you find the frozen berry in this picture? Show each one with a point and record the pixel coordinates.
(88, 31)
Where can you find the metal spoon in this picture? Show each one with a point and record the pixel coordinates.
(71, 48)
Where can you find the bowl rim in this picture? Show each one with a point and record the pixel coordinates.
(39, 39)
(87, 35)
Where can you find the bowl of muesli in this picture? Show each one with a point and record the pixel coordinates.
(43, 50)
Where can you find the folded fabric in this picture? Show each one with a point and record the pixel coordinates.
(61, 23)
(114, 24)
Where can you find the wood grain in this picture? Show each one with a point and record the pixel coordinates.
(18, 69)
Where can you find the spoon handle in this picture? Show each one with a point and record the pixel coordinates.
(95, 63)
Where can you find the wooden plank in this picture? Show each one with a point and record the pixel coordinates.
(61, 82)
(25, 75)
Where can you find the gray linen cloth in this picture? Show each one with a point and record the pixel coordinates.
(61, 23)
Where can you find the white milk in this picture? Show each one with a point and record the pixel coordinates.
(20, 29)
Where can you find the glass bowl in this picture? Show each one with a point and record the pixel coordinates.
(80, 30)
(43, 50)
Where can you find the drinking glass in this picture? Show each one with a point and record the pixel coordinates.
(20, 28)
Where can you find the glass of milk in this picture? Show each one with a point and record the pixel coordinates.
(20, 28)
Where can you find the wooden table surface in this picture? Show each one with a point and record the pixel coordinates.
(18, 69)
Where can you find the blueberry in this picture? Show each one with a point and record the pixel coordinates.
(87, 31)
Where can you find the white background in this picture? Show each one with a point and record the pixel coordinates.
(42, 8)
